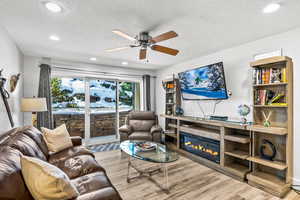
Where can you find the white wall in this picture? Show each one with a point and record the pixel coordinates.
(11, 60)
(32, 70)
(31, 81)
(238, 78)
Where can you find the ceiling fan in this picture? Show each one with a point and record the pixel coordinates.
(144, 40)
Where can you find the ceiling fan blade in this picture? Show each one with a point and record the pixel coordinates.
(143, 53)
(164, 36)
(124, 35)
(166, 50)
(117, 49)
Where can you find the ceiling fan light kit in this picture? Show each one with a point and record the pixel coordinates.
(144, 40)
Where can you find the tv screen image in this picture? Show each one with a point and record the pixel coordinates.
(207, 82)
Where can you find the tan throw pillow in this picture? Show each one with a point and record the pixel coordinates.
(46, 181)
(57, 139)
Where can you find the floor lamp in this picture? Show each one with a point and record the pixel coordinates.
(34, 105)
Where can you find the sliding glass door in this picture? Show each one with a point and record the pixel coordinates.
(102, 109)
(68, 104)
(129, 99)
(93, 108)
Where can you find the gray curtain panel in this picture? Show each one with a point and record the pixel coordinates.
(147, 89)
(45, 119)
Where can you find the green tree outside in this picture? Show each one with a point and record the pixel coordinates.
(59, 95)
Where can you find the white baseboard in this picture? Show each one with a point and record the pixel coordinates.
(296, 182)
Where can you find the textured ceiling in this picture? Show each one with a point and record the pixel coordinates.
(203, 26)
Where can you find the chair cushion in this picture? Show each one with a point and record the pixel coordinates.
(141, 125)
(140, 135)
(45, 181)
(57, 139)
(142, 115)
(79, 166)
(95, 186)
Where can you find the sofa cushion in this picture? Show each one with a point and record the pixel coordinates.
(91, 182)
(45, 181)
(140, 135)
(95, 186)
(12, 185)
(26, 145)
(57, 139)
(65, 154)
(141, 125)
(37, 136)
(79, 166)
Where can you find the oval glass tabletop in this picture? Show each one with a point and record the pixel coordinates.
(149, 151)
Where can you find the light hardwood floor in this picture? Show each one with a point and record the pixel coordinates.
(188, 181)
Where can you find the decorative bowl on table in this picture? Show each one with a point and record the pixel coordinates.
(145, 146)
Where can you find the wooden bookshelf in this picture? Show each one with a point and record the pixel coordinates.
(172, 101)
(270, 106)
(268, 182)
(269, 62)
(273, 176)
(237, 170)
(237, 148)
(272, 164)
(271, 130)
(173, 125)
(238, 154)
(270, 85)
(171, 133)
(238, 138)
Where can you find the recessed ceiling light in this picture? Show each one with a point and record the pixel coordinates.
(273, 7)
(53, 7)
(54, 38)
(124, 63)
(93, 59)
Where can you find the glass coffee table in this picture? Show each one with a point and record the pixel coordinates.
(149, 152)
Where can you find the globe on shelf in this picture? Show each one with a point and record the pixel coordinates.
(243, 111)
(179, 111)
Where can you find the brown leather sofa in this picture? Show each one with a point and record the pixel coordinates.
(77, 162)
(141, 125)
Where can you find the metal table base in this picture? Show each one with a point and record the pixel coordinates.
(147, 173)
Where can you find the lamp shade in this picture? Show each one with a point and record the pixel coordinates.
(34, 105)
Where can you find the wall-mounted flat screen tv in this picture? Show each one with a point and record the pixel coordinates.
(204, 83)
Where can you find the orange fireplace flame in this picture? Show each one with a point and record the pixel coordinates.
(201, 148)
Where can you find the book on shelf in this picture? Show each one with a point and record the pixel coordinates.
(278, 104)
(283, 72)
(269, 75)
(268, 97)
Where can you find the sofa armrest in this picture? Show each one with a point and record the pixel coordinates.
(155, 128)
(126, 129)
(76, 140)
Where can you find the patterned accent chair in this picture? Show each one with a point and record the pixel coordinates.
(141, 125)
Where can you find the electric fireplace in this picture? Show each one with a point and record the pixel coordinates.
(201, 146)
